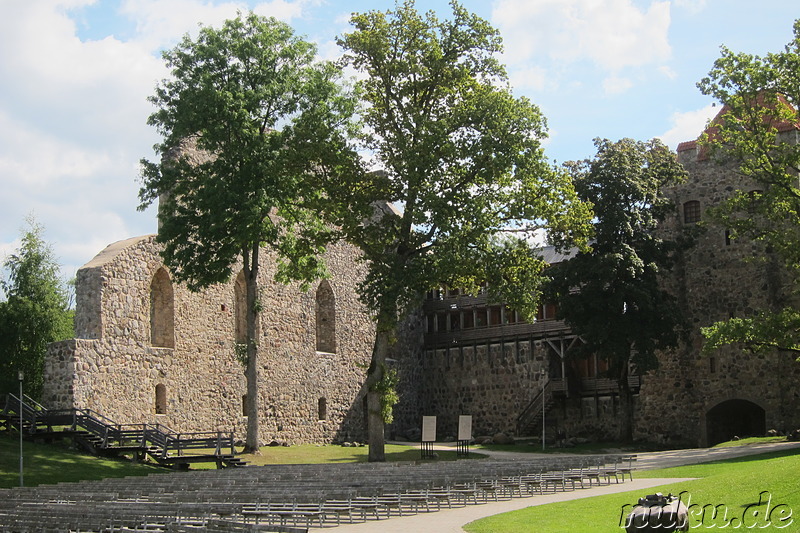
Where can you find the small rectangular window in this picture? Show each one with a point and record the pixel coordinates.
(691, 212)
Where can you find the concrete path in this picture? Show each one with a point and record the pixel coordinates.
(649, 461)
(453, 520)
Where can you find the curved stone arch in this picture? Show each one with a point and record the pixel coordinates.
(162, 310)
(733, 416)
(240, 308)
(325, 305)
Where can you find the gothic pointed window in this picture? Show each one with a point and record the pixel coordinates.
(162, 311)
(240, 308)
(326, 318)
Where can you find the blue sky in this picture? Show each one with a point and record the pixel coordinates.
(76, 74)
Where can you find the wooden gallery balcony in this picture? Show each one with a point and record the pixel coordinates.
(454, 319)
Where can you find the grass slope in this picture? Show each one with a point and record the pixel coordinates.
(748, 493)
(55, 463)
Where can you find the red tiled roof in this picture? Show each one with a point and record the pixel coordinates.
(713, 128)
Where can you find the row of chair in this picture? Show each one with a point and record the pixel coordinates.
(295, 496)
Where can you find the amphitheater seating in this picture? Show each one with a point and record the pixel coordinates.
(293, 498)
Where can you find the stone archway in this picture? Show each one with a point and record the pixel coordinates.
(730, 418)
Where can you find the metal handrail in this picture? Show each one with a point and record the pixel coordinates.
(157, 435)
(535, 406)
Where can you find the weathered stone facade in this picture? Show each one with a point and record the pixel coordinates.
(697, 399)
(140, 335)
(149, 350)
(492, 371)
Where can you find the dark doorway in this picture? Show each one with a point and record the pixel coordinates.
(740, 418)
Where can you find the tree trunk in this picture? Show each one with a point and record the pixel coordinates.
(251, 370)
(385, 329)
(625, 406)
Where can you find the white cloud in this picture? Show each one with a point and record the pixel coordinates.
(533, 77)
(612, 34)
(72, 128)
(616, 85)
(73, 112)
(668, 72)
(160, 24)
(692, 6)
(688, 125)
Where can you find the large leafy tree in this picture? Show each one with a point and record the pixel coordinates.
(463, 182)
(34, 313)
(613, 296)
(247, 116)
(757, 131)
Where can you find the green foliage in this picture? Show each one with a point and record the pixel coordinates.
(247, 118)
(34, 313)
(261, 114)
(460, 155)
(764, 331)
(612, 295)
(387, 390)
(761, 97)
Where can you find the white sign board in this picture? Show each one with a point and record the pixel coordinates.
(465, 427)
(428, 429)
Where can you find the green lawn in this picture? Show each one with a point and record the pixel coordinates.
(760, 489)
(316, 454)
(54, 463)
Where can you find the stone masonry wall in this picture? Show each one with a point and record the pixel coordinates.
(493, 386)
(112, 367)
(717, 279)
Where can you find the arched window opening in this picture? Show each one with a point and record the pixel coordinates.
(691, 212)
(326, 318)
(240, 308)
(161, 399)
(734, 418)
(322, 409)
(162, 310)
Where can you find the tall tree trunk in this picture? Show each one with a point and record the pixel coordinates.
(251, 370)
(625, 406)
(375, 425)
(386, 326)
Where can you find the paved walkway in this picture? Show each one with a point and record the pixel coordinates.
(453, 520)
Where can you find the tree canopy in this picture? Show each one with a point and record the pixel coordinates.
(247, 116)
(761, 96)
(34, 312)
(461, 160)
(612, 295)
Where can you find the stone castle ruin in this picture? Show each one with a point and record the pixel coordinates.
(147, 350)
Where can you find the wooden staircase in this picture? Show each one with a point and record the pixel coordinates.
(99, 435)
(530, 419)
